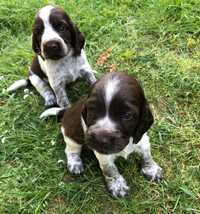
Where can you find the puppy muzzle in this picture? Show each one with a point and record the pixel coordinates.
(105, 141)
(53, 50)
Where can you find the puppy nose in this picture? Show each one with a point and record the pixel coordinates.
(52, 45)
(103, 136)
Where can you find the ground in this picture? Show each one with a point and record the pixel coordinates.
(156, 41)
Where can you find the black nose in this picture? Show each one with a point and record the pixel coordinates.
(103, 136)
(52, 46)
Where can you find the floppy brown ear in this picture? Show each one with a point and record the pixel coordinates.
(145, 122)
(35, 43)
(78, 39)
(84, 113)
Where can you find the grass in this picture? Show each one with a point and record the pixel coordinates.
(157, 41)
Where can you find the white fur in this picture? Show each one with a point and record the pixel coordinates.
(118, 186)
(83, 124)
(111, 89)
(43, 88)
(18, 84)
(105, 159)
(49, 33)
(150, 168)
(115, 182)
(59, 72)
(127, 150)
(72, 151)
(66, 69)
(106, 123)
(63, 71)
(153, 171)
(50, 112)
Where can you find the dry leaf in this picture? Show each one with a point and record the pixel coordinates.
(2, 102)
(112, 68)
(104, 57)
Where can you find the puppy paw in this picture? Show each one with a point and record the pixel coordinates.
(152, 172)
(75, 165)
(118, 187)
(50, 101)
(50, 112)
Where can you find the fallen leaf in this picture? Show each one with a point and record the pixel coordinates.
(112, 68)
(104, 57)
(2, 103)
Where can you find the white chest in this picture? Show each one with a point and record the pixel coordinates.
(130, 148)
(66, 70)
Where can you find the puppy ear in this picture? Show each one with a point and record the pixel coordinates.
(35, 43)
(84, 118)
(145, 122)
(84, 113)
(79, 41)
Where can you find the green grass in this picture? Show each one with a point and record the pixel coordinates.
(158, 42)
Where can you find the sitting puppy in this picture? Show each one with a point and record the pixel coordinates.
(113, 119)
(59, 59)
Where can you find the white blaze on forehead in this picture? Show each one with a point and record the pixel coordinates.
(45, 12)
(106, 123)
(49, 33)
(111, 89)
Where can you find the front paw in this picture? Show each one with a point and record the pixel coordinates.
(152, 172)
(118, 186)
(50, 101)
(75, 165)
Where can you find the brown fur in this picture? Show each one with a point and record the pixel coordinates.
(129, 99)
(71, 121)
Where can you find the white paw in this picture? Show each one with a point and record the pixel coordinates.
(50, 112)
(74, 164)
(118, 187)
(50, 100)
(152, 172)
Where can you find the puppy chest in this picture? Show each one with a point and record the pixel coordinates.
(66, 71)
(128, 149)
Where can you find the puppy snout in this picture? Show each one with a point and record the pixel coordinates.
(53, 50)
(52, 46)
(103, 136)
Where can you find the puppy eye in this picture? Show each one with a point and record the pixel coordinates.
(60, 27)
(127, 116)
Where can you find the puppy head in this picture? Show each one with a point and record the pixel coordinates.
(55, 35)
(115, 110)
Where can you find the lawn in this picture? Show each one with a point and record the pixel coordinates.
(158, 42)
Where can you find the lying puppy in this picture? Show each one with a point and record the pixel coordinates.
(113, 120)
(60, 58)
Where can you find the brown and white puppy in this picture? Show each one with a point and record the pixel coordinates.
(60, 57)
(113, 121)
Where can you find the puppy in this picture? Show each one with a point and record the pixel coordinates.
(113, 121)
(60, 57)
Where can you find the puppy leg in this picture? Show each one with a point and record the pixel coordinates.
(61, 96)
(88, 75)
(116, 184)
(44, 90)
(149, 167)
(73, 151)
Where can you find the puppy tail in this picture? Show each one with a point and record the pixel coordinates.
(18, 84)
(56, 111)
